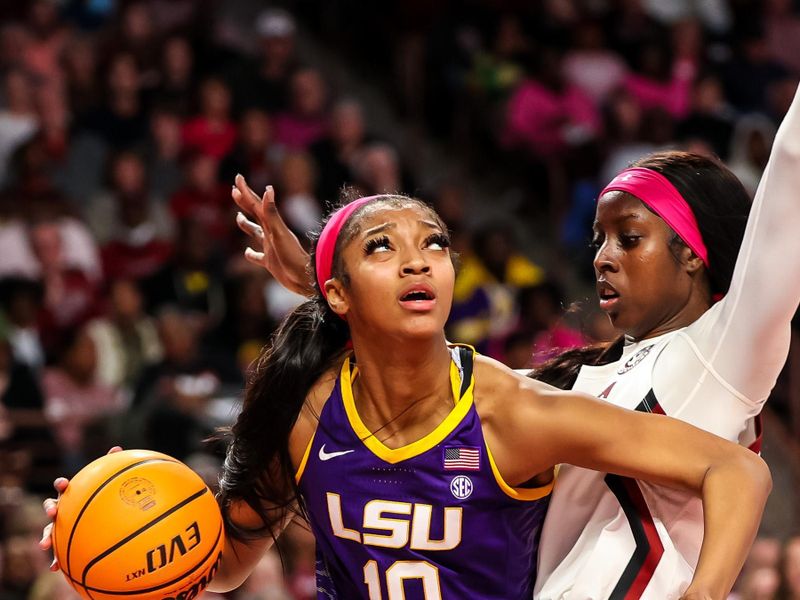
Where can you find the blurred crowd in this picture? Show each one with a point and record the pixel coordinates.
(127, 311)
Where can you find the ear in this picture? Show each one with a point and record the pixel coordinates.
(693, 262)
(337, 297)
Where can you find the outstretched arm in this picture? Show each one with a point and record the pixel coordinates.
(275, 247)
(532, 427)
(745, 337)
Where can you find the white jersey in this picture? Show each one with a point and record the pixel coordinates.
(609, 537)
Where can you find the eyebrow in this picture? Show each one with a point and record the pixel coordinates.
(392, 225)
(621, 219)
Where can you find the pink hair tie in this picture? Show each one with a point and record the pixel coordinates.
(327, 240)
(658, 193)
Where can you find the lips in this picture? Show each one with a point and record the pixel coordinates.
(608, 295)
(418, 297)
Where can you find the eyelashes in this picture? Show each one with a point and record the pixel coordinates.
(438, 238)
(382, 242)
(372, 244)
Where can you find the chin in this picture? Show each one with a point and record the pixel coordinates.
(422, 328)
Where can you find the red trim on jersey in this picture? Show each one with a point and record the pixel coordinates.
(756, 445)
(649, 549)
(653, 557)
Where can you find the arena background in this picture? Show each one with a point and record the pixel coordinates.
(127, 312)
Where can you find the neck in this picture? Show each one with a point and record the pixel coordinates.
(695, 307)
(401, 386)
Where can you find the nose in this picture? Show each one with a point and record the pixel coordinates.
(605, 260)
(415, 264)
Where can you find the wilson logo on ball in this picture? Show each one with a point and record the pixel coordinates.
(198, 586)
(165, 554)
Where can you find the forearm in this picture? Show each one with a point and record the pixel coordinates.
(238, 561)
(734, 495)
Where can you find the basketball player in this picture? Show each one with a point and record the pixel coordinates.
(703, 342)
(422, 484)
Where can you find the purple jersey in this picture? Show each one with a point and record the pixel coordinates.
(427, 521)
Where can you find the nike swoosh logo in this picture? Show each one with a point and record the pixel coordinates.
(329, 455)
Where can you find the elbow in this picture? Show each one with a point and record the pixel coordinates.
(758, 473)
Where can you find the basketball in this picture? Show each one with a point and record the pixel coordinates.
(138, 524)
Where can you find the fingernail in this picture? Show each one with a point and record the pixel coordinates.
(269, 187)
(53, 564)
(59, 481)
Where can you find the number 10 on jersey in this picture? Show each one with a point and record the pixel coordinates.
(396, 575)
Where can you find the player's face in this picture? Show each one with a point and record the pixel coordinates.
(400, 275)
(641, 285)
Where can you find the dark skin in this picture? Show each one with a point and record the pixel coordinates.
(658, 290)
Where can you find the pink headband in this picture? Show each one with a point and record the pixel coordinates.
(658, 193)
(327, 240)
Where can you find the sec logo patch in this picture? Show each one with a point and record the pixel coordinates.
(461, 487)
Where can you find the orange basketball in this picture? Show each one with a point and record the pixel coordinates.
(138, 525)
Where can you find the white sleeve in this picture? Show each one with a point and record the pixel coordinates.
(745, 337)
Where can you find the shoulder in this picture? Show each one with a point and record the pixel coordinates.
(499, 390)
(308, 419)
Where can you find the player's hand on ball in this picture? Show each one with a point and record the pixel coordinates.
(275, 247)
(51, 508)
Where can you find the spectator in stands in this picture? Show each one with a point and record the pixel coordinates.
(74, 398)
(24, 430)
(136, 35)
(591, 65)
(121, 121)
(266, 84)
(782, 30)
(163, 152)
(212, 132)
(126, 338)
(377, 170)
(498, 70)
(135, 229)
(203, 198)
(790, 571)
(192, 279)
(659, 82)
(306, 120)
(749, 76)
(48, 37)
(254, 154)
(19, 120)
(248, 323)
(750, 147)
(758, 584)
(80, 69)
(21, 302)
(70, 296)
(710, 118)
(546, 115)
(297, 192)
(14, 40)
(176, 86)
(171, 395)
(484, 298)
(625, 134)
(336, 153)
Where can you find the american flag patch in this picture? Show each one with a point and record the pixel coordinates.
(462, 458)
